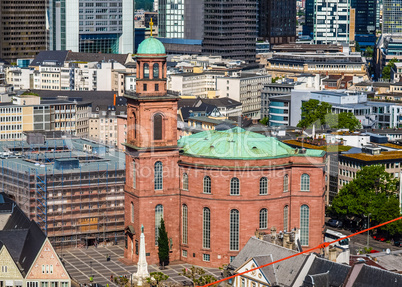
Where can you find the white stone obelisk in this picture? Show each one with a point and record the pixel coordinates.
(142, 266)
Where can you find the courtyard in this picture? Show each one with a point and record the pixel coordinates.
(81, 263)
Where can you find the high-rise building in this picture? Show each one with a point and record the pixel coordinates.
(230, 29)
(366, 14)
(392, 17)
(181, 19)
(328, 21)
(365, 21)
(23, 29)
(171, 18)
(99, 26)
(277, 21)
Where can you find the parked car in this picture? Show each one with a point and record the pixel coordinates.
(335, 223)
(351, 225)
(380, 237)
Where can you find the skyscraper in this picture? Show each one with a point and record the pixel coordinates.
(99, 26)
(392, 17)
(277, 21)
(181, 19)
(366, 13)
(328, 21)
(171, 18)
(23, 31)
(230, 28)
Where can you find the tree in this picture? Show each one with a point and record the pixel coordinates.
(314, 112)
(163, 245)
(198, 276)
(342, 121)
(386, 72)
(357, 47)
(369, 52)
(156, 277)
(373, 191)
(264, 121)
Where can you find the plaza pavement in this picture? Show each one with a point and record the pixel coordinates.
(79, 263)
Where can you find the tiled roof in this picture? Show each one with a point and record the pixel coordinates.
(336, 273)
(286, 271)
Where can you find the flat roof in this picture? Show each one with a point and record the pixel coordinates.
(385, 155)
(26, 156)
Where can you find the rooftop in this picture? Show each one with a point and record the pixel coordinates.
(237, 143)
(151, 46)
(327, 148)
(385, 155)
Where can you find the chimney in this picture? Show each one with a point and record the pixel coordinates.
(285, 242)
(273, 232)
(332, 254)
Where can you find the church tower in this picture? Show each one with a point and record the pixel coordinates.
(152, 185)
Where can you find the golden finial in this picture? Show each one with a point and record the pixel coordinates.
(151, 24)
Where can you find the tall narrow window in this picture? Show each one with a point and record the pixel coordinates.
(156, 87)
(263, 218)
(156, 71)
(234, 186)
(206, 228)
(158, 217)
(286, 218)
(263, 186)
(134, 175)
(234, 230)
(146, 71)
(158, 176)
(304, 224)
(145, 87)
(132, 212)
(207, 184)
(185, 224)
(158, 127)
(185, 181)
(305, 182)
(286, 183)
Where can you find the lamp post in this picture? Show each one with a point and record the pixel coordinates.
(368, 232)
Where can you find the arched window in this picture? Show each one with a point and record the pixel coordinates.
(185, 224)
(286, 218)
(134, 175)
(158, 125)
(263, 186)
(305, 182)
(207, 184)
(263, 218)
(234, 186)
(132, 212)
(158, 217)
(185, 181)
(146, 71)
(304, 224)
(206, 228)
(234, 230)
(158, 176)
(156, 71)
(286, 183)
(135, 125)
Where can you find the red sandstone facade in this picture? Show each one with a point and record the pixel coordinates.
(151, 140)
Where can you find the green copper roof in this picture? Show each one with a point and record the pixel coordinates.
(151, 46)
(238, 143)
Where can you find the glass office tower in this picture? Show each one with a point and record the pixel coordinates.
(392, 17)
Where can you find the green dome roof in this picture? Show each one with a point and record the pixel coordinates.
(151, 46)
(237, 143)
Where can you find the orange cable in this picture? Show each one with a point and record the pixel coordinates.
(322, 245)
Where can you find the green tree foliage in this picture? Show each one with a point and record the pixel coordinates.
(372, 191)
(156, 277)
(163, 245)
(357, 47)
(343, 121)
(264, 121)
(314, 112)
(369, 52)
(147, 5)
(197, 275)
(386, 72)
